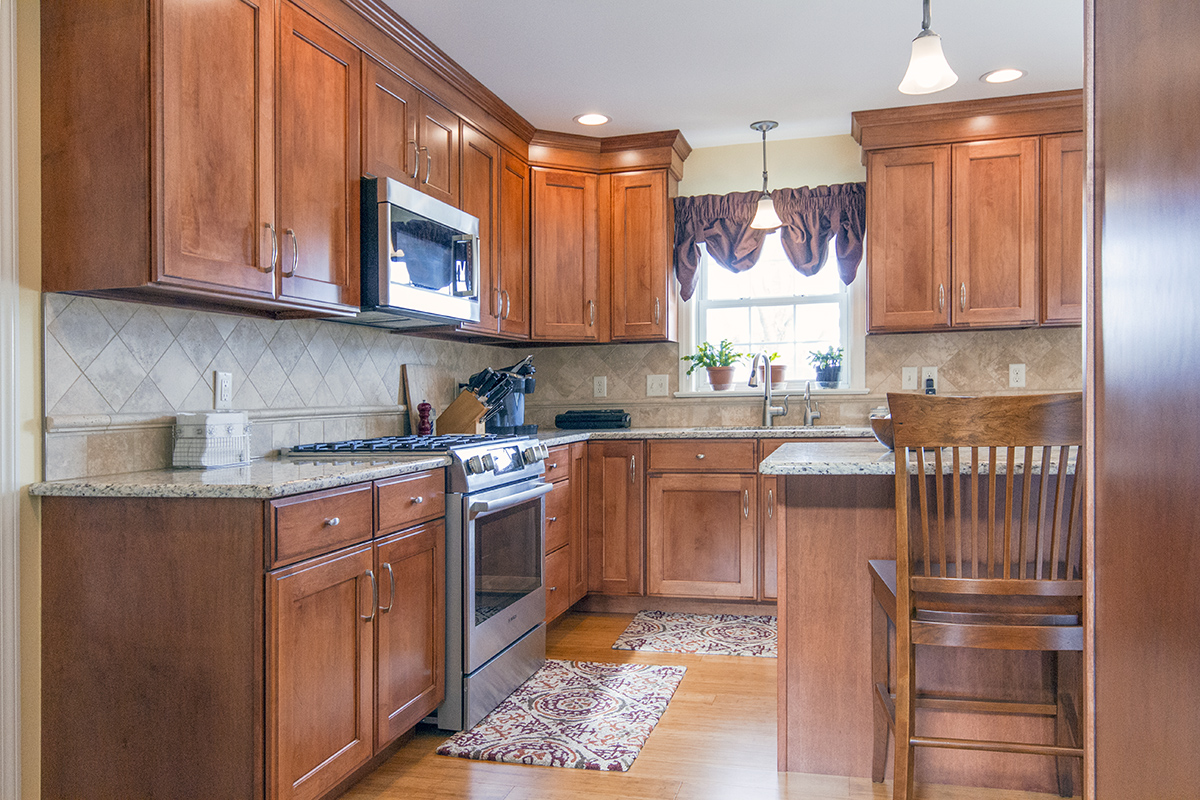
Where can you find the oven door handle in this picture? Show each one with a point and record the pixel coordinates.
(479, 507)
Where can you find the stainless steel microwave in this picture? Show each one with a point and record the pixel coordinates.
(420, 259)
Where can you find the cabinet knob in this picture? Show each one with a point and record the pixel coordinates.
(700, 456)
(418, 500)
(552, 589)
(333, 522)
(551, 519)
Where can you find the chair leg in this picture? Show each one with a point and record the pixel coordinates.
(1067, 727)
(879, 674)
(906, 709)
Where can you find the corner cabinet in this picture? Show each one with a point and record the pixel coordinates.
(566, 271)
(166, 186)
(644, 301)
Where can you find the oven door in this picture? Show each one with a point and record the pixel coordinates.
(503, 591)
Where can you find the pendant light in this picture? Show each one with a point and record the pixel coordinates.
(928, 70)
(765, 217)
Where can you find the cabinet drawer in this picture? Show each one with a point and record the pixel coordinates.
(558, 516)
(408, 500)
(311, 524)
(558, 572)
(703, 455)
(558, 464)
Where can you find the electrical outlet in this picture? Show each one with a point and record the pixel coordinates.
(222, 390)
(908, 379)
(1016, 376)
(599, 386)
(926, 374)
(656, 386)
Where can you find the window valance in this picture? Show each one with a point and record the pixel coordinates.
(811, 217)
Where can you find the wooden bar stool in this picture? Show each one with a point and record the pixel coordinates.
(988, 544)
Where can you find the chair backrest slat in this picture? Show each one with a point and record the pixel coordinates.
(991, 515)
(940, 490)
(973, 510)
(1024, 521)
(956, 495)
(1040, 521)
(1009, 483)
(924, 507)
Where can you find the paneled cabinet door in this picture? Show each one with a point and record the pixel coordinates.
(616, 506)
(771, 524)
(411, 570)
(908, 250)
(218, 145)
(1063, 165)
(579, 545)
(642, 292)
(481, 198)
(701, 538)
(513, 252)
(319, 672)
(566, 288)
(318, 162)
(994, 259)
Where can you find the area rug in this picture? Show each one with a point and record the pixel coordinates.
(573, 714)
(702, 634)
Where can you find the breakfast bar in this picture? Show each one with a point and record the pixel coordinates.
(839, 513)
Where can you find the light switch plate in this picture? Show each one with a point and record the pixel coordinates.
(657, 386)
(926, 374)
(600, 386)
(222, 390)
(908, 379)
(1016, 376)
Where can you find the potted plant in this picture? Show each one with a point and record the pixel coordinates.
(778, 372)
(828, 364)
(719, 361)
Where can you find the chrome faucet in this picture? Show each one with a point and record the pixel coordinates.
(810, 414)
(770, 411)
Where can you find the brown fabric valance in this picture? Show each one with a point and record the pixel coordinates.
(811, 216)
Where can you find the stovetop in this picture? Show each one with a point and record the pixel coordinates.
(398, 444)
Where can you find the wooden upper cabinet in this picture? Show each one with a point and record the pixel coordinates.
(1063, 166)
(512, 254)
(994, 258)
(908, 241)
(480, 197)
(318, 161)
(407, 135)
(643, 305)
(566, 290)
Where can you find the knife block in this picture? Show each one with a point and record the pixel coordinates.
(464, 415)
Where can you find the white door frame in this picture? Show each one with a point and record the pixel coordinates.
(10, 520)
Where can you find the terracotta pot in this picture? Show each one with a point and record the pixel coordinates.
(720, 378)
(778, 375)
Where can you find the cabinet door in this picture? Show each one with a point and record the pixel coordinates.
(318, 166)
(771, 524)
(995, 253)
(411, 628)
(701, 535)
(579, 545)
(480, 198)
(319, 673)
(642, 291)
(565, 256)
(1063, 165)
(218, 145)
(438, 133)
(908, 249)
(513, 246)
(390, 116)
(616, 504)
(558, 572)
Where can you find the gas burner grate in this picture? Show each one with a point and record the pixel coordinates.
(398, 444)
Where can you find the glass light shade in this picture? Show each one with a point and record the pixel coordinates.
(928, 70)
(765, 217)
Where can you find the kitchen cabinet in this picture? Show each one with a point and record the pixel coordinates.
(166, 186)
(1063, 169)
(616, 510)
(495, 188)
(565, 266)
(644, 302)
(408, 136)
(566, 545)
(771, 524)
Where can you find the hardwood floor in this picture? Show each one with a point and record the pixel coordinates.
(716, 741)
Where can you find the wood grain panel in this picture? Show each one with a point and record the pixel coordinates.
(579, 528)
(703, 455)
(438, 129)
(565, 256)
(480, 197)
(616, 507)
(641, 257)
(310, 524)
(514, 241)
(1063, 165)
(409, 499)
(558, 516)
(558, 576)
(558, 464)
(389, 124)
(770, 488)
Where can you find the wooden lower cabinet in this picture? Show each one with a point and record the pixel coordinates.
(770, 519)
(566, 543)
(616, 512)
(702, 536)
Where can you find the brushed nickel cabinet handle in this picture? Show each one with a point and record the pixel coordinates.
(428, 164)
(391, 594)
(962, 297)
(416, 159)
(295, 253)
(496, 305)
(656, 311)
(632, 469)
(333, 522)
(507, 305)
(746, 503)
(374, 598)
(592, 313)
(274, 248)
(941, 297)
(770, 503)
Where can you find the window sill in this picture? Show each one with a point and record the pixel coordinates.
(709, 393)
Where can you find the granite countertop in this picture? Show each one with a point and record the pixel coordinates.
(866, 458)
(554, 436)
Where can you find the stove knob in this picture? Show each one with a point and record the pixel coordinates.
(473, 465)
(543, 451)
(489, 463)
(529, 455)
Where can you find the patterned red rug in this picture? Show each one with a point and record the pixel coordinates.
(702, 634)
(573, 714)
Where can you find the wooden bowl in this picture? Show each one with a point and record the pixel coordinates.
(882, 428)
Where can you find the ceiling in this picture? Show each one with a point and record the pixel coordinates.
(711, 67)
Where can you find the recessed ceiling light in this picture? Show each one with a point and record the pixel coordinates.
(591, 119)
(1002, 75)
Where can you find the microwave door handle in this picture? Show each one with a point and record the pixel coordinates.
(480, 507)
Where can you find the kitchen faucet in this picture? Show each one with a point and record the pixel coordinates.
(810, 416)
(769, 411)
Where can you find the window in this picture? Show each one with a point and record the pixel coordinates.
(773, 308)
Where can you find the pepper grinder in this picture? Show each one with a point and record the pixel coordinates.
(424, 426)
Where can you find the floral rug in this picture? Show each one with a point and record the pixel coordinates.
(702, 634)
(573, 714)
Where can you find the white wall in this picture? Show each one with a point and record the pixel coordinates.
(791, 163)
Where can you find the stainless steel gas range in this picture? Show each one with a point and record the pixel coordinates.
(495, 540)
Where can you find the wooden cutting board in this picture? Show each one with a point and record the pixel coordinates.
(424, 383)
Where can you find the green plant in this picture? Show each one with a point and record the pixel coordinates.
(708, 356)
(773, 358)
(825, 359)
